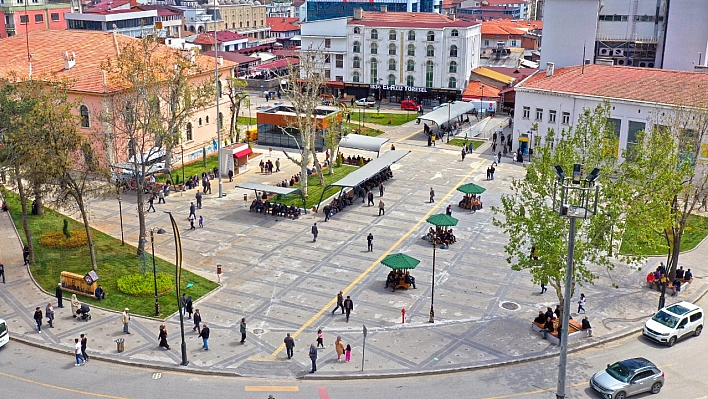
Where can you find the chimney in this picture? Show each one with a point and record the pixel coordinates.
(384, 8)
(358, 13)
(221, 61)
(69, 60)
(550, 67)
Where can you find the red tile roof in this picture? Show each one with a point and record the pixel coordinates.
(279, 63)
(503, 2)
(233, 57)
(162, 10)
(517, 73)
(657, 86)
(92, 50)
(423, 20)
(474, 91)
(279, 24)
(509, 27)
(108, 5)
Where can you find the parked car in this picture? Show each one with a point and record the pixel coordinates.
(409, 105)
(4, 334)
(365, 102)
(626, 378)
(674, 322)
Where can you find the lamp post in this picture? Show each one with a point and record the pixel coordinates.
(481, 103)
(120, 213)
(432, 292)
(184, 182)
(574, 198)
(178, 278)
(218, 96)
(449, 126)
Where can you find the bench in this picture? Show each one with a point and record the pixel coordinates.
(574, 332)
(684, 284)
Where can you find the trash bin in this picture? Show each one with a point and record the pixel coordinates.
(218, 269)
(120, 344)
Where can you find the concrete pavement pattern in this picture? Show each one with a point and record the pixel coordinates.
(281, 282)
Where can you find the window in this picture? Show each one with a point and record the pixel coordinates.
(452, 83)
(38, 18)
(374, 48)
(429, 74)
(565, 118)
(453, 67)
(374, 34)
(614, 127)
(55, 16)
(24, 19)
(356, 48)
(206, 119)
(221, 121)
(513, 43)
(339, 78)
(328, 74)
(84, 113)
(454, 33)
(411, 35)
(199, 121)
(391, 49)
(374, 71)
(539, 114)
(411, 66)
(453, 51)
(411, 50)
(355, 77)
(328, 43)
(486, 42)
(219, 87)
(696, 316)
(189, 132)
(339, 60)
(527, 112)
(551, 116)
(391, 64)
(391, 80)
(392, 35)
(410, 81)
(328, 59)
(357, 62)
(430, 51)
(357, 30)
(632, 132)
(431, 36)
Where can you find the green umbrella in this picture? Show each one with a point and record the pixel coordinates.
(442, 220)
(400, 262)
(471, 188)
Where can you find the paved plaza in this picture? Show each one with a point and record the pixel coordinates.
(282, 282)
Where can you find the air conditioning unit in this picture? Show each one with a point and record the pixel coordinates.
(605, 51)
(618, 52)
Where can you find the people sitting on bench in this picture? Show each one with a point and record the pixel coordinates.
(651, 279)
(548, 325)
(680, 273)
(391, 278)
(409, 279)
(676, 285)
(541, 318)
(549, 313)
(688, 276)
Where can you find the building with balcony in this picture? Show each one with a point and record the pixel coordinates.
(18, 17)
(169, 19)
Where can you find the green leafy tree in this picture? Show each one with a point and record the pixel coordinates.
(237, 97)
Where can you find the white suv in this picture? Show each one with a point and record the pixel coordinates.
(4, 334)
(674, 322)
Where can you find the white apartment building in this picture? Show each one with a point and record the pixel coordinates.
(422, 56)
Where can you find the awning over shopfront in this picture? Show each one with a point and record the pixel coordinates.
(361, 142)
(283, 63)
(448, 111)
(243, 153)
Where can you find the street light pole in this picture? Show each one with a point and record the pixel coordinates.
(481, 103)
(432, 292)
(120, 213)
(449, 126)
(218, 96)
(178, 278)
(154, 272)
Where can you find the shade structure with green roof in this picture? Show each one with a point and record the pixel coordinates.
(442, 220)
(471, 188)
(400, 262)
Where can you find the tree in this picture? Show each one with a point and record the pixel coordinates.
(237, 95)
(332, 139)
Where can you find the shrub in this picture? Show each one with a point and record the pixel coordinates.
(143, 284)
(58, 239)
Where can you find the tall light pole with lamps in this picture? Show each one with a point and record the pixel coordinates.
(449, 125)
(432, 292)
(120, 213)
(219, 121)
(178, 278)
(481, 103)
(574, 198)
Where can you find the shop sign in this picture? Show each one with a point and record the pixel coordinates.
(399, 88)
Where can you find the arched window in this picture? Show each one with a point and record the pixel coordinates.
(430, 51)
(84, 112)
(206, 119)
(374, 34)
(429, 74)
(189, 131)
(221, 121)
(453, 51)
(411, 35)
(355, 77)
(392, 35)
(431, 36)
(200, 121)
(411, 66)
(391, 49)
(410, 81)
(357, 30)
(391, 64)
(191, 28)
(357, 47)
(453, 67)
(219, 87)
(200, 29)
(391, 80)
(454, 33)
(357, 62)
(374, 48)
(452, 83)
(411, 50)
(374, 71)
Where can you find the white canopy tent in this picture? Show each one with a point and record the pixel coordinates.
(361, 142)
(448, 112)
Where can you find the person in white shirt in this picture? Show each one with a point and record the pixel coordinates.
(77, 351)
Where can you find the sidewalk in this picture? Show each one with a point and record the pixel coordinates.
(282, 282)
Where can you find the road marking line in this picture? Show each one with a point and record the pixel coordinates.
(273, 388)
(100, 395)
(323, 392)
(370, 268)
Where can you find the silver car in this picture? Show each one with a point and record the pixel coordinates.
(626, 378)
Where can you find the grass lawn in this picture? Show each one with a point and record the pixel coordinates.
(314, 190)
(194, 168)
(696, 231)
(366, 131)
(476, 143)
(382, 118)
(113, 261)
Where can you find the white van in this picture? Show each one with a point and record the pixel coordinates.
(4, 334)
(674, 322)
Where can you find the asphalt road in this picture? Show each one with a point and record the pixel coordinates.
(29, 372)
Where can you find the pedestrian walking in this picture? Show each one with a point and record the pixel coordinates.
(289, 345)
(60, 295)
(313, 358)
(49, 312)
(349, 117)
(320, 339)
(348, 307)
(189, 307)
(161, 197)
(77, 353)
(544, 282)
(183, 300)
(370, 242)
(162, 337)
(448, 210)
(348, 353)
(2, 272)
(151, 202)
(382, 210)
(499, 157)
(581, 303)
(38, 318)
(192, 209)
(201, 221)
(84, 345)
(315, 231)
(340, 302)
(494, 148)
(277, 165)
(370, 197)
(197, 320)
(242, 327)
(339, 347)
(198, 197)
(432, 195)
(231, 175)
(192, 217)
(492, 169)
(75, 305)
(204, 334)
(26, 254)
(126, 319)
(381, 189)
(464, 152)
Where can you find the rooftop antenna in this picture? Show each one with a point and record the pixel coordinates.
(582, 69)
